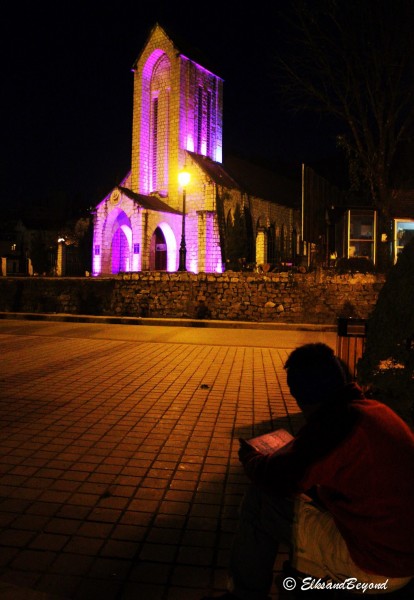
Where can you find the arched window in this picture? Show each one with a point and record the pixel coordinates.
(159, 124)
(271, 246)
(229, 221)
(283, 253)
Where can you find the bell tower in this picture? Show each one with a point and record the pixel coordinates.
(177, 108)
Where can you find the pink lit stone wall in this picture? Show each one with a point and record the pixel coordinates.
(170, 225)
(209, 241)
(117, 230)
(201, 111)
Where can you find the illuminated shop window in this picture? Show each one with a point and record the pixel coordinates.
(403, 233)
(361, 233)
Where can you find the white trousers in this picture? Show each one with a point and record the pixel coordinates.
(317, 547)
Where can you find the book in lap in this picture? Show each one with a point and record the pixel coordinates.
(270, 442)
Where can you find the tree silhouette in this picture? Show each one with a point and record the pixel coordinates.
(387, 366)
(355, 61)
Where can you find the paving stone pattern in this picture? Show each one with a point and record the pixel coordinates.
(119, 472)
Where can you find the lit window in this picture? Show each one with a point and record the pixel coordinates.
(403, 233)
(361, 233)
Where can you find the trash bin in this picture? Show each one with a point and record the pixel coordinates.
(350, 343)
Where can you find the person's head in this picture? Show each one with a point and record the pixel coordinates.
(315, 375)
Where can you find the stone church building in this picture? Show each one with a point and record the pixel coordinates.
(178, 125)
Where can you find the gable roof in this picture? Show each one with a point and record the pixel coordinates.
(239, 174)
(214, 171)
(264, 183)
(149, 202)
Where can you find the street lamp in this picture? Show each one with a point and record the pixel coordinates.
(183, 180)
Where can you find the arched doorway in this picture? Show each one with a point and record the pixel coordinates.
(158, 251)
(120, 250)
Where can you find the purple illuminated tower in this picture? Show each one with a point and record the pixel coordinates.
(177, 120)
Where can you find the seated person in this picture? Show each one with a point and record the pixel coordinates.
(340, 494)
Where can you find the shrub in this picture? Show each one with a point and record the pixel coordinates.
(387, 366)
(357, 264)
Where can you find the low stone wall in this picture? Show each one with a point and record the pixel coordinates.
(317, 297)
(56, 295)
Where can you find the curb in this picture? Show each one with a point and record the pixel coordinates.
(165, 322)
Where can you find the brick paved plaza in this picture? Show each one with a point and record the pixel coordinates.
(118, 446)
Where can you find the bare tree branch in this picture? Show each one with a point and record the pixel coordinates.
(355, 60)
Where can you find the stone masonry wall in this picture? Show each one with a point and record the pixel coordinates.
(316, 297)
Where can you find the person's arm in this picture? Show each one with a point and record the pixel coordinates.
(278, 473)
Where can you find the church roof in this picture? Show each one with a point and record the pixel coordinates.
(263, 183)
(239, 174)
(214, 171)
(149, 202)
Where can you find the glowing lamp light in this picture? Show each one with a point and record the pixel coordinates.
(184, 178)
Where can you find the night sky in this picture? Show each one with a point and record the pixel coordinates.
(67, 91)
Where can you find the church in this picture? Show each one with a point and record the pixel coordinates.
(180, 208)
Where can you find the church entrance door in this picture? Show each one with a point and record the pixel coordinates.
(158, 251)
(120, 251)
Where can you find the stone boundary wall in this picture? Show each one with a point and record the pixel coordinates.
(318, 297)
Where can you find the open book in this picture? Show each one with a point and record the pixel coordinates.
(270, 442)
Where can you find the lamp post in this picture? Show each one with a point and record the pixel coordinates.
(60, 258)
(183, 180)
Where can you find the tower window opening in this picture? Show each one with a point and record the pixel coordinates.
(209, 100)
(200, 119)
(154, 141)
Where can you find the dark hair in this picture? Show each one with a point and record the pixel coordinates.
(315, 374)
